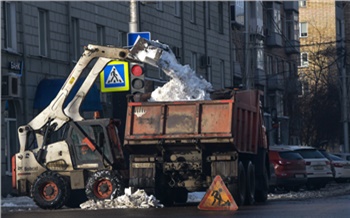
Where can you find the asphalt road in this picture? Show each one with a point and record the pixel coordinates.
(337, 206)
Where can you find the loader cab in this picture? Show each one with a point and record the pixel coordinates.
(103, 134)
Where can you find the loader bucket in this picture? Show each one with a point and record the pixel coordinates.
(148, 52)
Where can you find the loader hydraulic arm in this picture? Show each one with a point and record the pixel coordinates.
(53, 114)
(53, 117)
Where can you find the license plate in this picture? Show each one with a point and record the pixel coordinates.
(318, 167)
(299, 176)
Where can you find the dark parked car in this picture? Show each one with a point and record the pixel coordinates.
(288, 169)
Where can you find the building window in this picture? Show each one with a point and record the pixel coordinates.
(302, 4)
(10, 25)
(303, 29)
(101, 36)
(260, 54)
(177, 6)
(304, 59)
(194, 61)
(75, 39)
(274, 22)
(207, 14)
(221, 17)
(269, 65)
(277, 19)
(122, 38)
(159, 5)
(339, 27)
(193, 12)
(276, 65)
(43, 32)
(292, 28)
(222, 71)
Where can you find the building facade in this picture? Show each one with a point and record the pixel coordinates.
(231, 44)
(323, 35)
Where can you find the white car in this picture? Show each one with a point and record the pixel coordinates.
(345, 156)
(340, 167)
(318, 167)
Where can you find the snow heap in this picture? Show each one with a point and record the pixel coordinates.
(138, 199)
(184, 84)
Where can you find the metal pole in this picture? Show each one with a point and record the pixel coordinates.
(133, 24)
(247, 46)
(345, 98)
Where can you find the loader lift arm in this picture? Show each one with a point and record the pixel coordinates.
(53, 117)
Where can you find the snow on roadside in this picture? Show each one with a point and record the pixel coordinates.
(331, 189)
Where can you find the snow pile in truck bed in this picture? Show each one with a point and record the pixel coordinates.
(138, 199)
(184, 84)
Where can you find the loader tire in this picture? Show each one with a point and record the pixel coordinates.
(50, 190)
(104, 184)
(239, 188)
(250, 194)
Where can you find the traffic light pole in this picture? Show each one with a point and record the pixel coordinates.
(133, 24)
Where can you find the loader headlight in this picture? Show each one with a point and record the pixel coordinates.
(57, 165)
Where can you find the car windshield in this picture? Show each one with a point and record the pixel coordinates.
(310, 153)
(290, 155)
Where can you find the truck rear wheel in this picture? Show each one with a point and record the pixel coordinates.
(50, 190)
(103, 184)
(250, 195)
(263, 188)
(239, 188)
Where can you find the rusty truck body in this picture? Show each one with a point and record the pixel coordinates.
(179, 147)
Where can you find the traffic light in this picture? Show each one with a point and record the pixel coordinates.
(137, 78)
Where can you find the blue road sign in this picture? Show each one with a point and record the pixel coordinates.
(133, 36)
(115, 77)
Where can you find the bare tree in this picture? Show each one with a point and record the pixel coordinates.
(320, 103)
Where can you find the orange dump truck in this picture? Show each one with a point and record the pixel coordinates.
(179, 147)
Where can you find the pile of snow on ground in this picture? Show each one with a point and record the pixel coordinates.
(138, 199)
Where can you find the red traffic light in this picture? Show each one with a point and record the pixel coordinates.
(136, 70)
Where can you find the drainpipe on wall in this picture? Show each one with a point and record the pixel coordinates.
(182, 34)
(205, 38)
(24, 74)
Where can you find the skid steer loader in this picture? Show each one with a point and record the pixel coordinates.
(87, 161)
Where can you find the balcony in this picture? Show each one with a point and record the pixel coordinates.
(275, 82)
(292, 46)
(291, 5)
(273, 38)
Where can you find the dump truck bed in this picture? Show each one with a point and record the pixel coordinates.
(236, 121)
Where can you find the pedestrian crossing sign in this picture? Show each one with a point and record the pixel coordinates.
(115, 77)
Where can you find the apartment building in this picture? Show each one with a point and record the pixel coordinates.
(323, 35)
